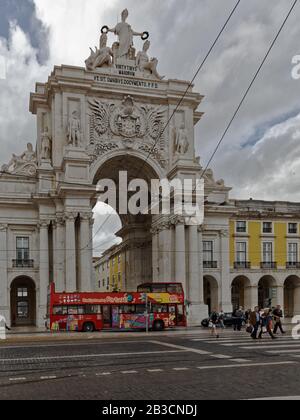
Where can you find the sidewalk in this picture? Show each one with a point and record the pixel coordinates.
(33, 334)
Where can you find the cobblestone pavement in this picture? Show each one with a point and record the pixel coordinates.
(182, 366)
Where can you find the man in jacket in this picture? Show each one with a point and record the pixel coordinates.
(278, 315)
(255, 322)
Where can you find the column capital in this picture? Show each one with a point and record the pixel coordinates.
(224, 233)
(70, 216)
(201, 229)
(43, 224)
(178, 220)
(3, 227)
(87, 215)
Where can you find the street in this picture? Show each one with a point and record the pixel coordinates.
(179, 366)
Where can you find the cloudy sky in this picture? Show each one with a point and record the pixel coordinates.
(260, 156)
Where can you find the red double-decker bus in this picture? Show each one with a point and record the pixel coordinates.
(90, 312)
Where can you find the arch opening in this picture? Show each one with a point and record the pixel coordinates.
(211, 293)
(267, 292)
(23, 302)
(241, 293)
(131, 233)
(292, 296)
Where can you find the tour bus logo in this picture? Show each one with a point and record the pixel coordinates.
(2, 328)
(161, 197)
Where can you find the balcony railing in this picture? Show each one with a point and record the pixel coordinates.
(242, 265)
(268, 265)
(293, 265)
(210, 264)
(23, 263)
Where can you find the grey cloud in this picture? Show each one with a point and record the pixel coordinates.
(24, 13)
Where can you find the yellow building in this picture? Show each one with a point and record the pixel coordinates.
(264, 255)
(110, 271)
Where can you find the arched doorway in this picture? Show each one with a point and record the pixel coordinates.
(267, 290)
(23, 302)
(211, 293)
(239, 293)
(292, 296)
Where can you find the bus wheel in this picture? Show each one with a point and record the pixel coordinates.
(158, 326)
(88, 327)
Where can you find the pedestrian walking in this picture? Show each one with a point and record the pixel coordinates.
(278, 315)
(238, 319)
(213, 323)
(254, 321)
(266, 324)
(221, 319)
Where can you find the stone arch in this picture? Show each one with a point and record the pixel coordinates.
(267, 291)
(136, 229)
(292, 296)
(125, 156)
(211, 293)
(23, 301)
(241, 292)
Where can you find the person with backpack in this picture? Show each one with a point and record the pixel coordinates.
(266, 324)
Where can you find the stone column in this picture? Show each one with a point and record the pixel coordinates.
(4, 295)
(296, 301)
(280, 297)
(70, 253)
(85, 281)
(91, 254)
(59, 253)
(201, 273)
(180, 253)
(165, 252)
(44, 270)
(251, 297)
(155, 259)
(226, 302)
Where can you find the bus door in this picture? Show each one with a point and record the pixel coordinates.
(177, 313)
(180, 316)
(107, 319)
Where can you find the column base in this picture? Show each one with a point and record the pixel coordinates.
(197, 312)
(41, 318)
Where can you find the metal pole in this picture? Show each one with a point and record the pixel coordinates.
(147, 319)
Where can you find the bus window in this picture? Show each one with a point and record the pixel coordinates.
(127, 309)
(73, 310)
(140, 309)
(144, 289)
(160, 309)
(57, 310)
(159, 288)
(174, 288)
(92, 309)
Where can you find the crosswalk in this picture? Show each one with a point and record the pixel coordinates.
(284, 345)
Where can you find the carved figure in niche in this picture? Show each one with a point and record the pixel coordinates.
(74, 130)
(100, 57)
(181, 140)
(145, 63)
(125, 34)
(46, 145)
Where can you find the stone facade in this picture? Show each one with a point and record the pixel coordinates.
(93, 122)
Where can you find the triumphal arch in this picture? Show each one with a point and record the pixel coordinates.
(113, 114)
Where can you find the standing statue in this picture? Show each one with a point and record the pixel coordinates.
(181, 140)
(74, 130)
(45, 145)
(125, 34)
(144, 63)
(100, 57)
